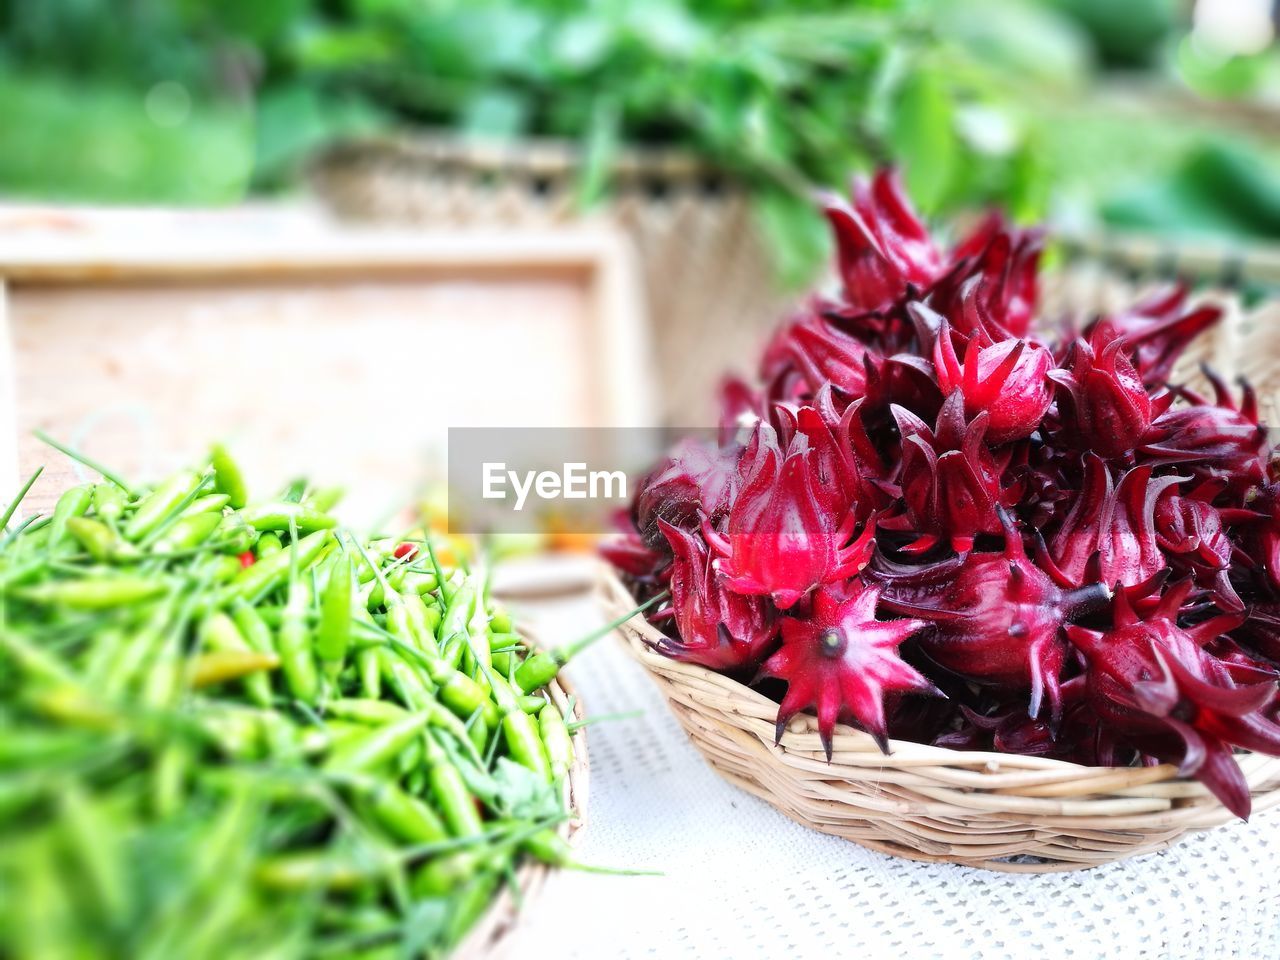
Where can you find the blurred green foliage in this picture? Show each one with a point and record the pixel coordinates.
(191, 101)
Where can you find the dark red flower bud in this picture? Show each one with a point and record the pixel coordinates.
(1155, 332)
(1152, 679)
(808, 352)
(998, 620)
(717, 628)
(881, 244)
(1008, 380)
(1110, 534)
(1214, 441)
(842, 662)
(950, 480)
(783, 538)
(695, 481)
(1106, 408)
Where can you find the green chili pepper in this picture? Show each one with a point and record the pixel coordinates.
(468, 904)
(73, 503)
(314, 870)
(297, 659)
(369, 670)
(268, 544)
(362, 710)
(324, 499)
(402, 815)
(449, 790)
(265, 575)
(109, 502)
(210, 503)
(541, 668)
(100, 541)
(557, 740)
(227, 477)
(333, 637)
(379, 747)
(209, 669)
(95, 593)
(524, 742)
(442, 875)
(156, 506)
(423, 621)
(221, 636)
(278, 516)
(234, 535)
(94, 842)
(187, 532)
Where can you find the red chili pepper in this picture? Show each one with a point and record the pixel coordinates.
(246, 559)
(406, 551)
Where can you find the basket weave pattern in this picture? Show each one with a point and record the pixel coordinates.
(993, 810)
(493, 936)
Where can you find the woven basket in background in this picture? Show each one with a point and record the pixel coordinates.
(708, 278)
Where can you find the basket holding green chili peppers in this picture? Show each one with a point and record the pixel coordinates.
(232, 728)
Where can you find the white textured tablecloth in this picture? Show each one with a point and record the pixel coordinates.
(740, 880)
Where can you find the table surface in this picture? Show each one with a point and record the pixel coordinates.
(740, 880)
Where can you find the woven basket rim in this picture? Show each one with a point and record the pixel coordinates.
(495, 931)
(534, 155)
(800, 735)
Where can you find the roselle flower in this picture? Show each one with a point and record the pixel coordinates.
(1007, 380)
(1104, 404)
(808, 352)
(992, 287)
(842, 661)
(1264, 536)
(695, 481)
(1152, 679)
(740, 408)
(631, 555)
(950, 480)
(998, 620)
(717, 628)
(1110, 533)
(1213, 441)
(783, 535)
(881, 244)
(1155, 332)
(1191, 533)
(837, 472)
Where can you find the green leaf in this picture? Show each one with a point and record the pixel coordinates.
(598, 152)
(922, 137)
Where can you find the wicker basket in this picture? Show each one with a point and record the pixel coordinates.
(496, 933)
(708, 280)
(993, 810)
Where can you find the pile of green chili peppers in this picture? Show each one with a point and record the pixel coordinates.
(235, 729)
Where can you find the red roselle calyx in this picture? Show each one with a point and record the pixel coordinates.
(950, 479)
(1155, 332)
(842, 662)
(1007, 380)
(882, 247)
(912, 448)
(1106, 406)
(784, 535)
(999, 620)
(718, 628)
(1153, 679)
